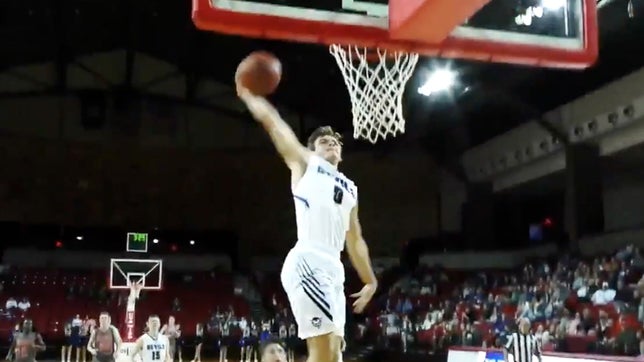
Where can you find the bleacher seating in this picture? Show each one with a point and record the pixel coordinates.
(54, 302)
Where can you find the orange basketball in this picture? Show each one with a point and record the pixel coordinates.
(260, 72)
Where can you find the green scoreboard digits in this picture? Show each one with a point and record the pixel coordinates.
(137, 242)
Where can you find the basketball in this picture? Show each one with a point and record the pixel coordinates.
(260, 72)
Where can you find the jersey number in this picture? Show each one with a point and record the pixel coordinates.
(156, 355)
(338, 194)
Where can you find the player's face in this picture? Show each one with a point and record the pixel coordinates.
(329, 148)
(104, 321)
(27, 325)
(154, 324)
(274, 353)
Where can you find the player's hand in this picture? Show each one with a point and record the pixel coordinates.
(363, 297)
(259, 107)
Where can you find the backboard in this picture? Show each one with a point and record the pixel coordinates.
(548, 33)
(147, 272)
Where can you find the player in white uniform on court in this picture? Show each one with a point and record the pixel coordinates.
(326, 208)
(152, 345)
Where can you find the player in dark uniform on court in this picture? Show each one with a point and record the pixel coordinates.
(26, 343)
(105, 341)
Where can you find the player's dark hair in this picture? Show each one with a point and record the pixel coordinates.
(105, 313)
(321, 132)
(154, 316)
(267, 343)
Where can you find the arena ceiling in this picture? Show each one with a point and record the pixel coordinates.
(500, 97)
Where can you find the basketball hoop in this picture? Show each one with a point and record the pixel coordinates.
(376, 82)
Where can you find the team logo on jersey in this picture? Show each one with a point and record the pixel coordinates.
(316, 322)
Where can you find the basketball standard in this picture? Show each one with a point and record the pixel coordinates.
(133, 275)
(547, 33)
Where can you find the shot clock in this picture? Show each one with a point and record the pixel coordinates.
(137, 242)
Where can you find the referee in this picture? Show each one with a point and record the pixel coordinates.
(523, 345)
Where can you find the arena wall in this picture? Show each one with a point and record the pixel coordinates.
(191, 169)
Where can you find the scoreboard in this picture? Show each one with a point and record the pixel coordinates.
(137, 242)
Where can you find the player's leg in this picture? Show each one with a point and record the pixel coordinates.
(324, 348)
(62, 353)
(313, 296)
(197, 353)
(224, 349)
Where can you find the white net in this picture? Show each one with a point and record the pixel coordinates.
(376, 87)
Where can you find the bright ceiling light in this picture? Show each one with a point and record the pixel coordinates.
(553, 4)
(438, 81)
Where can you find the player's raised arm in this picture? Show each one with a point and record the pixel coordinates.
(289, 147)
(359, 255)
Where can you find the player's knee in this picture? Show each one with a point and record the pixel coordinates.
(324, 348)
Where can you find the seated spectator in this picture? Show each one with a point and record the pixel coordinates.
(604, 295)
(574, 325)
(623, 296)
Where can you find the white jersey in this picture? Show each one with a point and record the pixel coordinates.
(154, 349)
(324, 198)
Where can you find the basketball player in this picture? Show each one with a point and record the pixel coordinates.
(26, 343)
(326, 209)
(254, 337)
(75, 341)
(282, 334)
(198, 342)
(225, 340)
(173, 332)
(246, 342)
(66, 349)
(86, 329)
(104, 341)
(152, 345)
(272, 351)
(291, 342)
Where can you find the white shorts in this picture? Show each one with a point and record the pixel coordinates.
(314, 283)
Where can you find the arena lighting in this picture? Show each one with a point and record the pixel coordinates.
(547, 222)
(553, 4)
(192, 242)
(438, 81)
(79, 237)
(58, 244)
(156, 241)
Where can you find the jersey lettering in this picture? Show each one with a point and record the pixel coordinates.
(324, 198)
(154, 348)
